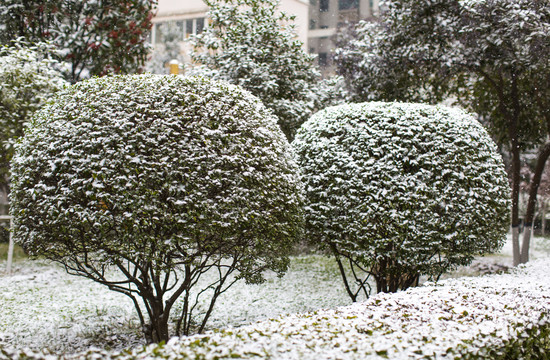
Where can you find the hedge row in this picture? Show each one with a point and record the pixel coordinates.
(495, 316)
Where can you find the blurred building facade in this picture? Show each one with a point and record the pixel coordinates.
(317, 22)
(326, 17)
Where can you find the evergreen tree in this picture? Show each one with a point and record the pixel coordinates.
(28, 77)
(251, 44)
(95, 37)
(166, 179)
(395, 191)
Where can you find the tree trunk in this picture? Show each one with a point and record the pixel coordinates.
(157, 330)
(544, 153)
(543, 218)
(515, 174)
(343, 272)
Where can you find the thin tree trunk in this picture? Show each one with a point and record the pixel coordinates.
(515, 172)
(543, 155)
(543, 218)
(343, 273)
(510, 109)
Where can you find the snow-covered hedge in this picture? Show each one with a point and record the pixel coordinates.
(162, 177)
(402, 189)
(489, 317)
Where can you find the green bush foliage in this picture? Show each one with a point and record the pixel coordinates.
(490, 57)
(163, 178)
(28, 77)
(401, 190)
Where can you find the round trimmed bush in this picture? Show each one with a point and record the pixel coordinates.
(162, 177)
(401, 190)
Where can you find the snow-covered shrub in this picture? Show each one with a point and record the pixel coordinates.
(163, 178)
(401, 190)
(28, 77)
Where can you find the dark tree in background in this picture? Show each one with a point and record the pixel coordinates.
(94, 37)
(491, 57)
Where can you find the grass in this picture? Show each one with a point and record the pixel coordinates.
(18, 253)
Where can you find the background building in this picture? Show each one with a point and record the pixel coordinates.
(317, 22)
(326, 17)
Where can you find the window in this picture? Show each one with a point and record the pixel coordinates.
(323, 59)
(180, 25)
(323, 5)
(158, 33)
(180, 28)
(194, 26)
(199, 26)
(188, 27)
(348, 4)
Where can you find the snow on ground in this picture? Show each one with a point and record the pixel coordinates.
(45, 308)
(540, 248)
(476, 315)
(42, 307)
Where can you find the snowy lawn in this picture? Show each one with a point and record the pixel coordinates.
(44, 308)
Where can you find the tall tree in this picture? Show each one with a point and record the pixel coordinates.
(491, 57)
(96, 37)
(251, 44)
